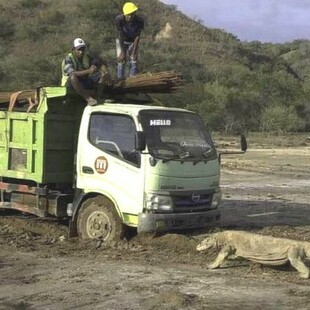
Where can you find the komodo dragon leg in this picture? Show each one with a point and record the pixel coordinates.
(222, 256)
(294, 257)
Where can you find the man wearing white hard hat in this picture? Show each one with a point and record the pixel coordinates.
(129, 26)
(81, 73)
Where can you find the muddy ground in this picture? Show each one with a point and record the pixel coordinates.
(267, 190)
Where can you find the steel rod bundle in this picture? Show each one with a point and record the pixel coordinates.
(161, 82)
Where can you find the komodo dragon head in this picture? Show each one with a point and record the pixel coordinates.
(207, 243)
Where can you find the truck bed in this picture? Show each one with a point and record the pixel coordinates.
(38, 136)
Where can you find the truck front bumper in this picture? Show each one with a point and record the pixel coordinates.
(153, 222)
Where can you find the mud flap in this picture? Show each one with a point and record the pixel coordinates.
(72, 229)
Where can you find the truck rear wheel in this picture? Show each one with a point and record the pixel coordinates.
(98, 218)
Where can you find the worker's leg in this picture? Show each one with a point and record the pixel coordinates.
(121, 70)
(120, 64)
(78, 86)
(133, 69)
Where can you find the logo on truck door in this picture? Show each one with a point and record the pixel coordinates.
(101, 164)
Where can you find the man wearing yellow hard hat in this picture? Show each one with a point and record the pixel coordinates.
(129, 26)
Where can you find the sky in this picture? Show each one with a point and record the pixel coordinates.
(275, 21)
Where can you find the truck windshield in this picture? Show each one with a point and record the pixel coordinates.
(173, 135)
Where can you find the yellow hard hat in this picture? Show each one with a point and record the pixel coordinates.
(129, 8)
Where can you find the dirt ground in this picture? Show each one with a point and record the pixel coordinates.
(267, 190)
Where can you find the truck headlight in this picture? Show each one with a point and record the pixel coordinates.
(155, 202)
(216, 199)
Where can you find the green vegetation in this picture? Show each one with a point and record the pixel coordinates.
(235, 86)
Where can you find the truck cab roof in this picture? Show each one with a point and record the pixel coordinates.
(57, 97)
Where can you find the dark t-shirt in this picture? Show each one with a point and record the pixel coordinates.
(130, 30)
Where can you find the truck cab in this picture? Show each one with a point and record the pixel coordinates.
(171, 182)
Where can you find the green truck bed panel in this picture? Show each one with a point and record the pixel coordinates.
(40, 146)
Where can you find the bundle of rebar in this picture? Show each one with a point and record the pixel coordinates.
(160, 82)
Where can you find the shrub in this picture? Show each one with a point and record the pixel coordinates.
(280, 119)
(30, 4)
(7, 28)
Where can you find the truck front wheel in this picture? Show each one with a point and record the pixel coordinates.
(98, 218)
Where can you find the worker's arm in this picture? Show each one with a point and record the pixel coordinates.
(122, 55)
(87, 71)
(119, 24)
(134, 53)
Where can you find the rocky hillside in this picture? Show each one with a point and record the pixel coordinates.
(234, 85)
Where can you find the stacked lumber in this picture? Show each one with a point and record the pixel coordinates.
(161, 82)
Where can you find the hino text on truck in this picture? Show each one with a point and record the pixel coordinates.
(123, 163)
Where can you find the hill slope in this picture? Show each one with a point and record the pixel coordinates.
(234, 85)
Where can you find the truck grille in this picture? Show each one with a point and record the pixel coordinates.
(188, 204)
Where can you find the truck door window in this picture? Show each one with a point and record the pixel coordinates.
(114, 134)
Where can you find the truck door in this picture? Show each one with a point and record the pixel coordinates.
(108, 163)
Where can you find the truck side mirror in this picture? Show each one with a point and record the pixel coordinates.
(140, 141)
(244, 144)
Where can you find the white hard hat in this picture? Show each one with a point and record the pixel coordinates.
(78, 43)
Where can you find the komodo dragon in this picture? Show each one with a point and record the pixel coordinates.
(265, 250)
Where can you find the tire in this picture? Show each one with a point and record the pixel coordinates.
(98, 218)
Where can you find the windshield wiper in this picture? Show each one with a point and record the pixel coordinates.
(184, 155)
(205, 156)
(165, 158)
(207, 152)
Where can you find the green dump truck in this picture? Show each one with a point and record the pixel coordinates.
(123, 163)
